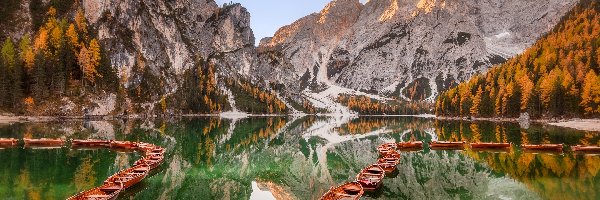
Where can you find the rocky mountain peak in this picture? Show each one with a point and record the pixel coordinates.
(409, 49)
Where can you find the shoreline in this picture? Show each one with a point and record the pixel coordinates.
(574, 123)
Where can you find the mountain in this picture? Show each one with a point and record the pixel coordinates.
(168, 55)
(191, 57)
(409, 49)
(557, 76)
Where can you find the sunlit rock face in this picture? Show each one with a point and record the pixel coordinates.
(387, 46)
(169, 37)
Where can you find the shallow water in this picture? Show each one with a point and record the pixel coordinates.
(300, 158)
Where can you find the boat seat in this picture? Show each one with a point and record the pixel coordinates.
(97, 196)
(111, 188)
(141, 169)
(343, 194)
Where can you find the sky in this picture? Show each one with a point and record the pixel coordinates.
(269, 15)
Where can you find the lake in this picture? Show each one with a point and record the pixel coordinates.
(300, 158)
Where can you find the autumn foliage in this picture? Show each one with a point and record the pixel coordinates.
(557, 76)
(368, 106)
(59, 60)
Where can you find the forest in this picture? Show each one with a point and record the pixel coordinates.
(365, 105)
(557, 77)
(62, 59)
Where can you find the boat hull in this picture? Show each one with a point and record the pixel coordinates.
(90, 143)
(351, 190)
(386, 149)
(123, 145)
(490, 145)
(447, 145)
(44, 143)
(586, 149)
(371, 177)
(542, 148)
(410, 145)
(99, 193)
(127, 180)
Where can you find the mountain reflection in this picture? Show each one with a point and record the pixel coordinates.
(301, 157)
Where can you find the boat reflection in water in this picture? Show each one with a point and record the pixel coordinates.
(303, 157)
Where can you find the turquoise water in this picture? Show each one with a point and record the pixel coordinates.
(300, 158)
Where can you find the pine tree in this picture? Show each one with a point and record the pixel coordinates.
(477, 102)
(8, 52)
(590, 96)
(4, 84)
(526, 92)
(81, 22)
(72, 37)
(7, 63)
(92, 61)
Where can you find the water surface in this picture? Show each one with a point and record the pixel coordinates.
(300, 158)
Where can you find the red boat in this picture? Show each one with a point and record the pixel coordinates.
(351, 190)
(542, 147)
(151, 161)
(386, 148)
(90, 143)
(447, 145)
(144, 147)
(490, 145)
(129, 176)
(8, 142)
(43, 142)
(109, 191)
(127, 145)
(388, 163)
(371, 177)
(581, 148)
(410, 145)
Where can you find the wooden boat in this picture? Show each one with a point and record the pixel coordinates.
(447, 145)
(581, 148)
(371, 177)
(490, 145)
(350, 190)
(386, 148)
(90, 143)
(152, 159)
(542, 147)
(144, 147)
(43, 142)
(8, 141)
(109, 191)
(410, 145)
(127, 145)
(129, 176)
(389, 163)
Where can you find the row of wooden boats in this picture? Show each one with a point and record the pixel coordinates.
(371, 177)
(153, 156)
(441, 145)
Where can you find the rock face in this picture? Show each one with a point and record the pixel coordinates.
(411, 48)
(169, 37)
